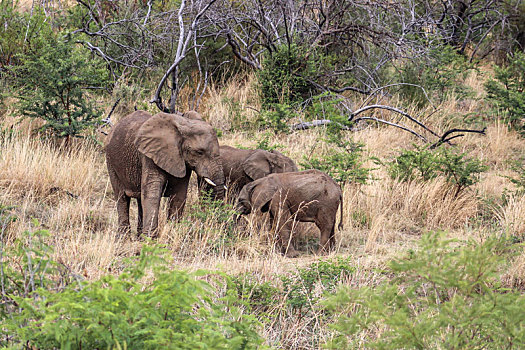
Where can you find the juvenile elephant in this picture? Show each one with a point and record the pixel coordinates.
(305, 196)
(242, 166)
(152, 156)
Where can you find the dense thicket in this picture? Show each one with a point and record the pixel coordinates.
(302, 48)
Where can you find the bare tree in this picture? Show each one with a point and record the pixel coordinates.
(187, 32)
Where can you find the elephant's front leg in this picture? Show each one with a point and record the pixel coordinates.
(178, 191)
(152, 188)
(283, 222)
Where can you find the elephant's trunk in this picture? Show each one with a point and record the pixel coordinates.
(214, 177)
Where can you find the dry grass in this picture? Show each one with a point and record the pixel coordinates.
(69, 193)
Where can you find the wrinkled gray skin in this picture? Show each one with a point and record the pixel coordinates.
(305, 196)
(242, 166)
(152, 156)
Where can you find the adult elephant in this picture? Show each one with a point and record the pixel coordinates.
(152, 156)
(242, 166)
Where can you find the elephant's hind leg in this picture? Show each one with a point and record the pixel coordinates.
(327, 239)
(139, 220)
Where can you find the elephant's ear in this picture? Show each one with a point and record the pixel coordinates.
(159, 139)
(192, 115)
(262, 193)
(257, 165)
(281, 162)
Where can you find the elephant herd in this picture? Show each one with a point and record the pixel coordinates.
(149, 157)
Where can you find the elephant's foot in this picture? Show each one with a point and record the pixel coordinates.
(124, 230)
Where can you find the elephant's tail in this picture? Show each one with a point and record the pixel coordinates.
(340, 226)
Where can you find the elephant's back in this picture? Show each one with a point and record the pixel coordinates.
(122, 156)
(312, 184)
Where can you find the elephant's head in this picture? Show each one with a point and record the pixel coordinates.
(256, 196)
(176, 143)
(262, 163)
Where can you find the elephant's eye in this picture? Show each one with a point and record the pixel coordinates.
(199, 151)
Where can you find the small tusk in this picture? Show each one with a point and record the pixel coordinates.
(210, 182)
(226, 187)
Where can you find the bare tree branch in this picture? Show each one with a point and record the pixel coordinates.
(393, 109)
(444, 138)
(393, 124)
(182, 48)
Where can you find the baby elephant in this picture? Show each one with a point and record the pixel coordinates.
(306, 196)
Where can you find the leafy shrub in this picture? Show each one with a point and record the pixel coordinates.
(423, 164)
(507, 91)
(447, 296)
(176, 310)
(460, 171)
(420, 163)
(440, 73)
(301, 290)
(26, 266)
(21, 33)
(282, 78)
(300, 287)
(52, 86)
(264, 143)
(343, 161)
(259, 296)
(277, 118)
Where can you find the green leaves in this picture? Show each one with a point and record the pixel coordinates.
(423, 164)
(52, 85)
(282, 78)
(507, 91)
(343, 162)
(446, 296)
(147, 306)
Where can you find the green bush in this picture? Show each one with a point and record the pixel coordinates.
(52, 85)
(300, 287)
(440, 73)
(282, 80)
(300, 291)
(20, 33)
(343, 161)
(264, 143)
(420, 163)
(423, 164)
(446, 295)
(277, 117)
(507, 91)
(261, 297)
(170, 309)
